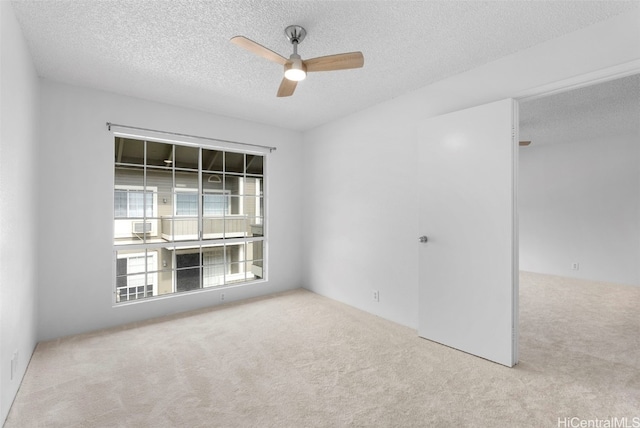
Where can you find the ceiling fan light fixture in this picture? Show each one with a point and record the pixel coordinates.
(295, 70)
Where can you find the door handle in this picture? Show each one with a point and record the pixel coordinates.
(423, 239)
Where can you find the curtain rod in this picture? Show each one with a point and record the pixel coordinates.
(115, 125)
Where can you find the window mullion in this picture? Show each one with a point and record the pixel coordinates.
(174, 208)
(200, 216)
(200, 199)
(144, 219)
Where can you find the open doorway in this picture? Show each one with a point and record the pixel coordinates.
(579, 183)
(579, 234)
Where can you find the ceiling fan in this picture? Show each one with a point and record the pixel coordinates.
(295, 68)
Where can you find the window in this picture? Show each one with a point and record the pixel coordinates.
(216, 204)
(185, 218)
(187, 203)
(132, 282)
(131, 203)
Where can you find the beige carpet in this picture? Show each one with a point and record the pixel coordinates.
(301, 360)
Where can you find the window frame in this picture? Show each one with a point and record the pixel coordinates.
(257, 215)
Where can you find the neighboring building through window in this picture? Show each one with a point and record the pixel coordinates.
(185, 218)
(132, 282)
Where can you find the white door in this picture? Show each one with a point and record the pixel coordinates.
(468, 268)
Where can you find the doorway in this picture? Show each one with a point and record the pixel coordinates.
(579, 216)
(579, 183)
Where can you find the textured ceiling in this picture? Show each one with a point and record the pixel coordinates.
(598, 111)
(179, 51)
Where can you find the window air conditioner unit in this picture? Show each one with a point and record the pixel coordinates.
(141, 227)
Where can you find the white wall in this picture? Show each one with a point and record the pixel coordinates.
(18, 207)
(76, 183)
(360, 204)
(579, 201)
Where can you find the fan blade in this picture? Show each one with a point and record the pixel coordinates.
(343, 61)
(524, 143)
(258, 49)
(287, 87)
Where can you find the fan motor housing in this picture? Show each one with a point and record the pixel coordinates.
(295, 33)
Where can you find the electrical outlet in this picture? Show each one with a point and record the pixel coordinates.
(376, 296)
(222, 297)
(575, 266)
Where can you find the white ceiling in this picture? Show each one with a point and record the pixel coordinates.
(593, 112)
(179, 52)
